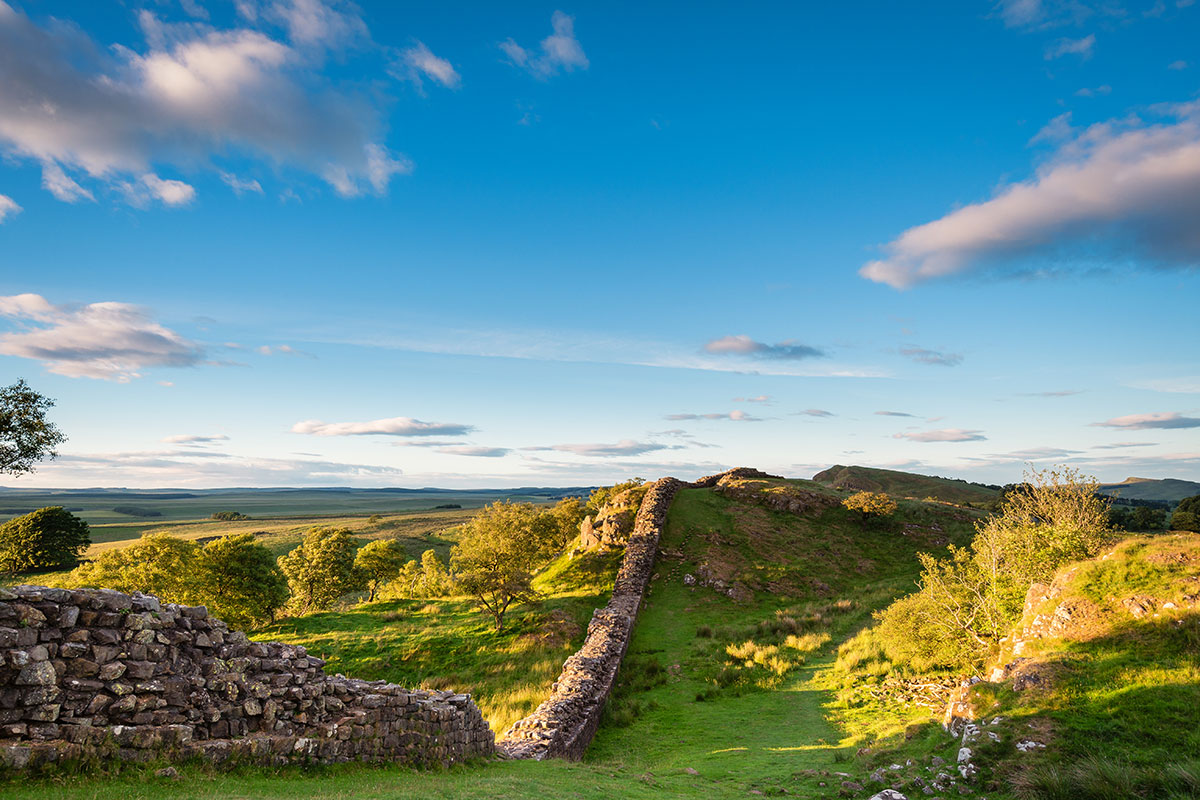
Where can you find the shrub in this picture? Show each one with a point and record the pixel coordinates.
(872, 505)
(156, 564)
(44, 539)
(229, 516)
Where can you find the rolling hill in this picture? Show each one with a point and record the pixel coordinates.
(1168, 490)
(905, 484)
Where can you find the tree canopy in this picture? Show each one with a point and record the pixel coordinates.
(239, 580)
(44, 539)
(500, 548)
(380, 561)
(321, 570)
(26, 437)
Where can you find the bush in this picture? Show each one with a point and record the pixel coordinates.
(229, 516)
(1185, 521)
(44, 539)
(872, 505)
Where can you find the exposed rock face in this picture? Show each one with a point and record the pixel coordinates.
(96, 673)
(750, 486)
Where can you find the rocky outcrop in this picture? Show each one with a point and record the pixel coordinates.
(754, 488)
(88, 674)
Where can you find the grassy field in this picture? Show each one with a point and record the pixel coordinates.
(906, 484)
(159, 506)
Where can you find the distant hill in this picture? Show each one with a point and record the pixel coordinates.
(906, 484)
(1169, 490)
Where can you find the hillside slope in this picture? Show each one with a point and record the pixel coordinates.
(905, 484)
(1167, 490)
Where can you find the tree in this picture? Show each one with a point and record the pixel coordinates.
(872, 505)
(1185, 521)
(25, 436)
(380, 561)
(495, 558)
(567, 514)
(434, 579)
(1147, 519)
(239, 580)
(321, 569)
(229, 516)
(44, 539)
(156, 564)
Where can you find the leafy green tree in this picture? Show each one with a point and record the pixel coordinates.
(321, 569)
(229, 516)
(1147, 519)
(239, 580)
(43, 539)
(435, 579)
(872, 505)
(157, 564)
(1120, 518)
(380, 561)
(495, 558)
(1185, 521)
(25, 436)
(567, 515)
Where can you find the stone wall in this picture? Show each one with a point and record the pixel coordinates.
(564, 724)
(96, 674)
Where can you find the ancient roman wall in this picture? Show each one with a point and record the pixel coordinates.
(90, 674)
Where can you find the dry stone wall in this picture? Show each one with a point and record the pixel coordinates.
(96, 674)
(564, 724)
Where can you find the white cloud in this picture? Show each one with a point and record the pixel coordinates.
(762, 398)
(743, 345)
(1127, 186)
(109, 341)
(1183, 385)
(392, 426)
(815, 412)
(1099, 91)
(944, 435)
(1082, 47)
(419, 60)
(560, 51)
(1168, 420)
(311, 23)
(893, 414)
(282, 350)
(193, 94)
(1177, 65)
(8, 207)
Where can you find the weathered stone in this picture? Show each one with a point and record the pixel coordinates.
(38, 673)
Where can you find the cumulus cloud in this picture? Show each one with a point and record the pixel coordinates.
(1122, 187)
(109, 341)
(419, 61)
(115, 115)
(625, 447)
(8, 207)
(1082, 47)
(474, 451)
(560, 51)
(743, 345)
(196, 439)
(1167, 420)
(944, 435)
(392, 426)
(923, 356)
(735, 416)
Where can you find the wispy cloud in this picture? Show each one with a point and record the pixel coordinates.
(1189, 384)
(625, 447)
(8, 207)
(1124, 185)
(893, 414)
(944, 435)
(420, 62)
(282, 350)
(560, 51)
(1121, 445)
(1082, 47)
(392, 426)
(474, 451)
(196, 439)
(1167, 420)
(241, 186)
(923, 356)
(743, 345)
(103, 114)
(1058, 393)
(1177, 65)
(735, 416)
(762, 398)
(109, 341)
(815, 412)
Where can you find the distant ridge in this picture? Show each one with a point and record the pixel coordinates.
(906, 484)
(1166, 490)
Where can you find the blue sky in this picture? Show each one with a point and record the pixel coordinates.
(304, 242)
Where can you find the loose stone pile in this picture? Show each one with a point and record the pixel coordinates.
(93, 673)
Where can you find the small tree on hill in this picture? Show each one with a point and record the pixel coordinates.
(872, 505)
(156, 564)
(239, 580)
(44, 539)
(497, 554)
(25, 436)
(380, 561)
(321, 570)
(1185, 521)
(567, 514)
